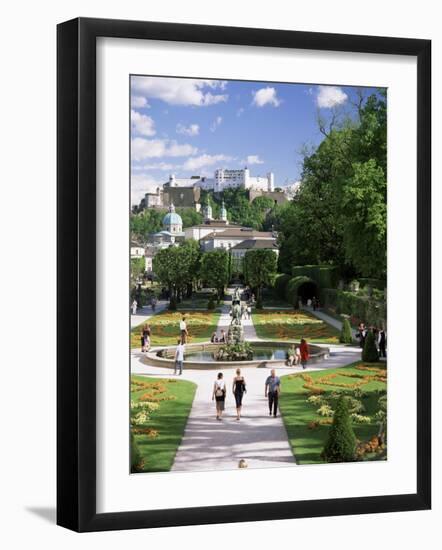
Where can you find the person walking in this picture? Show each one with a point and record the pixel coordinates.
(314, 303)
(272, 391)
(249, 312)
(382, 343)
(239, 389)
(134, 307)
(303, 348)
(219, 395)
(179, 357)
(184, 331)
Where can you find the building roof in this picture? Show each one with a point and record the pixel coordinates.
(214, 223)
(240, 233)
(254, 244)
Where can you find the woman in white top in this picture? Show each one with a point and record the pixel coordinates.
(219, 395)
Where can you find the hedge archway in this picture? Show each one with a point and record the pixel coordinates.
(301, 287)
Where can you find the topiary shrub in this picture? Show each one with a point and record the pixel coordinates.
(135, 456)
(346, 336)
(370, 353)
(341, 443)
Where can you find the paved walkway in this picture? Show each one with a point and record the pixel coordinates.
(328, 319)
(258, 438)
(145, 313)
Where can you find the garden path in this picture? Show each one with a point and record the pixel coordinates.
(258, 438)
(145, 313)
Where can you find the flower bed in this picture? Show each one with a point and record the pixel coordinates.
(159, 412)
(293, 325)
(307, 406)
(165, 327)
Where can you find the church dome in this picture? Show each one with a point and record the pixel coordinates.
(172, 218)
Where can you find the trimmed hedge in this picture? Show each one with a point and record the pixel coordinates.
(292, 289)
(280, 285)
(360, 308)
(325, 276)
(370, 353)
(346, 336)
(341, 442)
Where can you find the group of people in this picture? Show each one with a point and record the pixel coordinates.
(272, 390)
(380, 337)
(313, 303)
(222, 339)
(298, 355)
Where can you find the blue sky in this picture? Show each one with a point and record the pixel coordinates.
(193, 126)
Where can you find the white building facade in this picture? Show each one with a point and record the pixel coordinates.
(225, 178)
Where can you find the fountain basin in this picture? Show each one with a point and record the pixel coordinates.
(200, 356)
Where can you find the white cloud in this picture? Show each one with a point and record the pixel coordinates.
(138, 102)
(179, 91)
(140, 184)
(266, 96)
(155, 148)
(253, 159)
(191, 130)
(142, 124)
(196, 163)
(156, 166)
(240, 111)
(218, 120)
(330, 96)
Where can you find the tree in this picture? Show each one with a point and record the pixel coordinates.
(370, 352)
(177, 267)
(346, 336)
(260, 268)
(215, 270)
(341, 442)
(339, 212)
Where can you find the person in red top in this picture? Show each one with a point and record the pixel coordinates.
(304, 352)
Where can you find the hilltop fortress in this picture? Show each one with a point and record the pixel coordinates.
(187, 191)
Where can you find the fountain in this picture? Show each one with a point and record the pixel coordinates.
(236, 353)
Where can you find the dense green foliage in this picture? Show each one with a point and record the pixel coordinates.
(339, 213)
(325, 276)
(215, 270)
(150, 221)
(359, 307)
(346, 336)
(280, 285)
(177, 268)
(341, 442)
(370, 352)
(260, 267)
(257, 214)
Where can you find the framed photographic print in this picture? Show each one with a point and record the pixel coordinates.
(243, 274)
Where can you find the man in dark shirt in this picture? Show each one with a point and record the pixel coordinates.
(272, 391)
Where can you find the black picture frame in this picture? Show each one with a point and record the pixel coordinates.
(76, 273)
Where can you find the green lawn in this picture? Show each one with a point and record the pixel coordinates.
(159, 438)
(293, 325)
(307, 430)
(165, 327)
